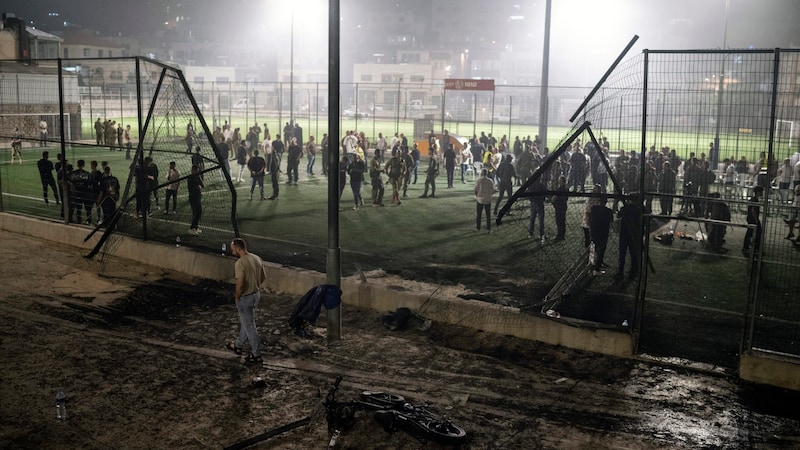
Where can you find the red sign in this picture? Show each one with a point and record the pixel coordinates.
(466, 84)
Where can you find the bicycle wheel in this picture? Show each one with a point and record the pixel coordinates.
(381, 400)
(444, 432)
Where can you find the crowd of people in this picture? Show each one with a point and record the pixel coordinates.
(396, 161)
(94, 191)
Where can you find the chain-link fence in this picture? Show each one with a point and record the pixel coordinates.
(685, 111)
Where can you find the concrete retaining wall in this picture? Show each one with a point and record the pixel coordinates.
(381, 296)
(765, 368)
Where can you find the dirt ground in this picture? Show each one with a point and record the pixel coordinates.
(139, 353)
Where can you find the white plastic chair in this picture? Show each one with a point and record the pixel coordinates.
(470, 170)
(478, 167)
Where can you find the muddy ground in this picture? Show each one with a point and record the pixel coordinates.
(139, 353)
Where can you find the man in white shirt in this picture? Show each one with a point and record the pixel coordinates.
(350, 142)
(380, 146)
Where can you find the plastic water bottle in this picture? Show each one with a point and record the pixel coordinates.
(61, 406)
(177, 241)
(224, 249)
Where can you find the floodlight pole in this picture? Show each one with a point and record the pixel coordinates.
(715, 157)
(545, 78)
(333, 262)
(291, 72)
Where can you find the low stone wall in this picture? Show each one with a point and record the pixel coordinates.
(382, 296)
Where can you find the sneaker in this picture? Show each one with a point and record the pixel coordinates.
(789, 236)
(193, 231)
(166, 212)
(198, 231)
(232, 347)
(544, 238)
(252, 359)
(355, 208)
(174, 212)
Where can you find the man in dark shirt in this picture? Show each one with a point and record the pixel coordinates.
(258, 168)
(415, 156)
(293, 160)
(449, 164)
(80, 184)
(753, 218)
(278, 148)
(274, 171)
(600, 218)
(109, 194)
(46, 176)
(224, 155)
(195, 185)
(630, 236)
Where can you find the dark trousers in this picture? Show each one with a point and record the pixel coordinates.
(197, 210)
(430, 180)
(356, 187)
(108, 206)
(143, 203)
(450, 174)
(504, 188)
(377, 191)
(480, 209)
(626, 245)
(599, 252)
(749, 234)
(51, 183)
(293, 165)
(561, 221)
(173, 194)
(537, 211)
(258, 179)
(666, 205)
(274, 177)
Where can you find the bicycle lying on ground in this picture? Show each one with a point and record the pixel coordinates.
(392, 412)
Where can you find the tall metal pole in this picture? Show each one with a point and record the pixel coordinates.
(291, 70)
(333, 264)
(65, 196)
(715, 157)
(545, 78)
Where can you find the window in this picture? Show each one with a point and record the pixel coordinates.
(390, 97)
(66, 52)
(110, 54)
(99, 53)
(417, 78)
(366, 77)
(391, 78)
(86, 52)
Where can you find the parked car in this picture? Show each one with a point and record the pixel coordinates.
(242, 103)
(353, 113)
